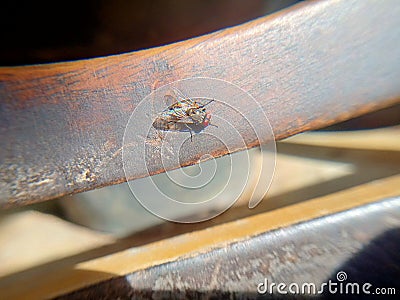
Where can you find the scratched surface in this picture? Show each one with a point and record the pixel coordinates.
(362, 242)
(61, 125)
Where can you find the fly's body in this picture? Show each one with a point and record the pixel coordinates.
(183, 114)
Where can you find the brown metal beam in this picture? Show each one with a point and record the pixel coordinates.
(362, 244)
(306, 239)
(61, 125)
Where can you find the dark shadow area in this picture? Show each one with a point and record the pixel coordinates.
(389, 116)
(43, 31)
(377, 264)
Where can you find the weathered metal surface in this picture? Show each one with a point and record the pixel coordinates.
(164, 246)
(61, 125)
(362, 242)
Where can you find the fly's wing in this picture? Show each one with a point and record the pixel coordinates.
(179, 97)
(202, 102)
(171, 98)
(174, 112)
(172, 101)
(175, 98)
(177, 104)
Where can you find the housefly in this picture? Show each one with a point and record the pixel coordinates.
(184, 114)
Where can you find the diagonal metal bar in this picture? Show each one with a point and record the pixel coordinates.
(305, 241)
(355, 242)
(61, 125)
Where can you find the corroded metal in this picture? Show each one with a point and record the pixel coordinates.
(61, 125)
(362, 242)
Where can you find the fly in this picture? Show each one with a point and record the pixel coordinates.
(183, 114)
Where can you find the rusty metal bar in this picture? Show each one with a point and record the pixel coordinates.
(317, 63)
(303, 239)
(362, 243)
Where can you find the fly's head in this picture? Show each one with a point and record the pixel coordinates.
(198, 115)
(206, 120)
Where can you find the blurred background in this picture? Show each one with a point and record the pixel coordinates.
(47, 31)
(308, 165)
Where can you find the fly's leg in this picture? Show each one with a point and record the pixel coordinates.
(190, 130)
(160, 135)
